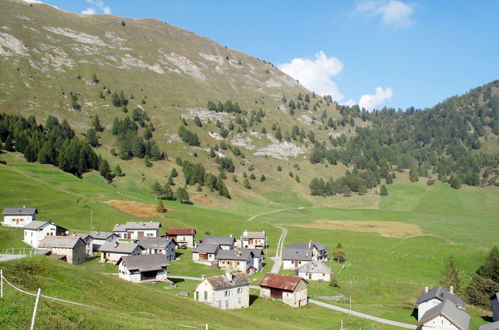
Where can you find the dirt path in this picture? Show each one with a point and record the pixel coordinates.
(280, 245)
(266, 213)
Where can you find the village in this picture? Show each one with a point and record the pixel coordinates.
(142, 254)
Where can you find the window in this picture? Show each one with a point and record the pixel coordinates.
(239, 290)
(227, 293)
(206, 295)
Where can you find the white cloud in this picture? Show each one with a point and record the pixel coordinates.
(370, 101)
(316, 74)
(99, 5)
(394, 13)
(88, 11)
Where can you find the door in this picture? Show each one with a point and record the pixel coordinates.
(276, 293)
(226, 304)
(140, 234)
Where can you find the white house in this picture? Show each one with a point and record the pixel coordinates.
(69, 249)
(319, 252)
(444, 316)
(205, 253)
(314, 271)
(113, 251)
(18, 217)
(235, 260)
(136, 230)
(159, 245)
(225, 243)
(184, 237)
(257, 257)
(35, 231)
(141, 268)
(254, 240)
(294, 258)
(227, 291)
(98, 238)
(436, 296)
(292, 290)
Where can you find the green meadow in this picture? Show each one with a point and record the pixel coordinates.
(386, 273)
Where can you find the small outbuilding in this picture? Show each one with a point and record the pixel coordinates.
(70, 249)
(227, 291)
(292, 290)
(314, 271)
(143, 268)
(444, 316)
(18, 217)
(184, 237)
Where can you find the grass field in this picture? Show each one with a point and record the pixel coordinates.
(387, 273)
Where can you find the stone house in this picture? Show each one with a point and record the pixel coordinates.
(70, 249)
(205, 253)
(142, 268)
(292, 290)
(314, 271)
(113, 251)
(234, 260)
(227, 291)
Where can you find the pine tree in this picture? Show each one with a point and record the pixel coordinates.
(383, 191)
(263, 178)
(157, 190)
(174, 173)
(168, 192)
(339, 253)
(246, 183)
(160, 207)
(182, 195)
(9, 144)
(92, 137)
(96, 124)
(118, 171)
(450, 275)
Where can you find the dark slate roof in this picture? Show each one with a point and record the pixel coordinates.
(257, 253)
(144, 263)
(297, 254)
(490, 326)
(82, 236)
(314, 267)
(223, 282)
(19, 211)
(495, 296)
(442, 294)
(181, 231)
(65, 242)
(318, 245)
(277, 281)
(137, 226)
(155, 242)
(100, 234)
(206, 248)
(35, 225)
(233, 255)
(254, 234)
(119, 247)
(458, 317)
(220, 240)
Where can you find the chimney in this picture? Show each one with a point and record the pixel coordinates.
(451, 289)
(310, 244)
(230, 236)
(24, 206)
(116, 244)
(228, 276)
(425, 289)
(245, 233)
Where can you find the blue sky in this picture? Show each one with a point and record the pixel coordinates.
(396, 53)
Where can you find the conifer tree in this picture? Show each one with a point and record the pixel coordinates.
(450, 275)
(182, 195)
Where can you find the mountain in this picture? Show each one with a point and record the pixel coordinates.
(167, 98)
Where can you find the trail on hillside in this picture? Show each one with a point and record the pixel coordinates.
(278, 256)
(265, 213)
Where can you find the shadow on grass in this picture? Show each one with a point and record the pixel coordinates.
(415, 313)
(176, 280)
(487, 318)
(252, 299)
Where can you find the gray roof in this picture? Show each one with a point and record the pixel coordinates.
(35, 225)
(206, 248)
(495, 296)
(119, 247)
(82, 236)
(456, 316)
(19, 211)
(257, 253)
(222, 281)
(137, 226)
(297, 254)
(101, 234)
(154, 242)
(65, 242)
(233, 255)
(442, 294)
(144, 263)
(490, 326)
(318, 245)
(220, 240)
(254, 234)
(314, 267)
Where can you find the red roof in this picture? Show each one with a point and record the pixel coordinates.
(181, 231)
(283, 282)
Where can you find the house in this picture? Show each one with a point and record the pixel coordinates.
(70, 249)
(490, 326)
(140, 268)
(205, 253)
(314, 271)
(257, 264)
(136, 230)
(113, 251)
(436, 296)
(235, 260)
(254, 240)
(87, 240)
(159, 245)
(225, 243)
(97, 238)
(495, 306)
(444, 316)
(319, 252)
(227, 291)
(292, 290)
(184, 237)
(18, 217)
(294, 258)
(35, 231)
